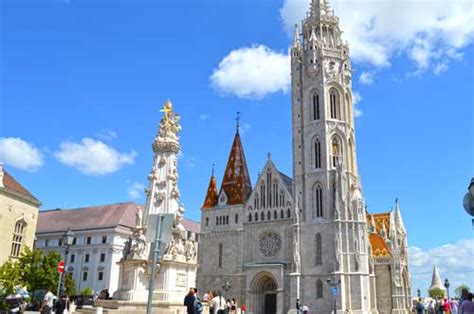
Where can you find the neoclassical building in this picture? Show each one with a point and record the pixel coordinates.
(308, 237)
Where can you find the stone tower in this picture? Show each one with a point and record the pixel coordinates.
(333, 225)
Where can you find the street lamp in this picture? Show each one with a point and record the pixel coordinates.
(226, 288)
(418, 293)
(446, 285)
(334, 284)
(68, 239)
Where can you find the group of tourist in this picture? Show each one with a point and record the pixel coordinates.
(463, 305)
(217, 303)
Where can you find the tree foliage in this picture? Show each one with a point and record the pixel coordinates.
(69, 284)
(437, 293)
(459, 290)
(10, 276)
(87, 291)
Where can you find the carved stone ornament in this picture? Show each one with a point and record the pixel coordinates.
(270, 244)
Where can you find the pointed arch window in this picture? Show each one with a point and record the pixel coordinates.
(262, 195)
(336, 151)
(250, 217)
(317, 154)
(319, 289)
(318, 250)
(334, 104)
(317, 200)
(282, 214)
(350, 154)
(256, 216)
(18, 234)
(288, 213)
(275, 214)
(220, 255)
(269, 215)
(262, 216)
(316, 109)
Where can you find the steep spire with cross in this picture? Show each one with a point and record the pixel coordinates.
(212, 192)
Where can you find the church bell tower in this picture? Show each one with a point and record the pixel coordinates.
(324, 164)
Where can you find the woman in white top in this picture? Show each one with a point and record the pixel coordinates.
(218, 303)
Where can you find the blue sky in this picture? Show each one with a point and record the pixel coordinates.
(78, 75)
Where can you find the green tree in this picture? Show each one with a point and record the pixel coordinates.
(10, 276)
(437, 293)
(459, 290)
(69, 284)
(39, 271)
(87, 291)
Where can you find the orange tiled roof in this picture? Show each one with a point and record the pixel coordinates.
(211, 196)
(380, 219)
(379, 246)
(11, 184)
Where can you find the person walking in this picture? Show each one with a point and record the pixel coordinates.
(48, 302)
(454, 306)
(420, 307)
(447, 306)
(62, 306)
(243, 308)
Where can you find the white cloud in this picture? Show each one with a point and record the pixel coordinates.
(136, 190)
(366, 78)
(428, 32)
(453, 260)
(20, 154)
(252, 72)
(93, 157)
(244, 128)
(203, 116)
(356, 99)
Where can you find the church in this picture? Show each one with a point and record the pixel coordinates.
(308, 237)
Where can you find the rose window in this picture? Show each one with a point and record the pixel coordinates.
(270, 244)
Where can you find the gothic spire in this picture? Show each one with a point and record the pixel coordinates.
(398, 217)
(296, 41)
(212, 195)
(236, 181)
(436, 280)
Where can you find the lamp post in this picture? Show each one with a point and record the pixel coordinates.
(68, 238)
(226, 288)
(418, 293)
(446, 285)
(334, 283)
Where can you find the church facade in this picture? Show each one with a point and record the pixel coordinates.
(308, 237)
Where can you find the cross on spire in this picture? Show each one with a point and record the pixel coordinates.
(238, 121)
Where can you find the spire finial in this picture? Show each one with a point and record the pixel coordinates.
(238, 121)
(212, 172)
(269, 156)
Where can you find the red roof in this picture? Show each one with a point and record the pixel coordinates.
(95, 217)
(211, 196)
(11, 184)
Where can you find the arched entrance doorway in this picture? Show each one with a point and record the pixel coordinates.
(264, 290)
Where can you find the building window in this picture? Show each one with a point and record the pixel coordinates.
(262, 216)
(74, 241)
(336, 151)
(250, 217)
(86, 258)
(317, 154)
(319, 289)
(318, 257)
(60, 242)
(288, 213)
(334, 103)
(73, 257)
(317, 201)
(220, 255)
(275, 214)
(46, 243)
(256, 216)
(17, 240)
(101, 275)
(207, 221)
(316, 114)
(84, 276)
(217, 221)
(269, 215)
(102, 257)
(226, 220)
(89, 240)
(104, 239)
(236, 218)
(282, 214)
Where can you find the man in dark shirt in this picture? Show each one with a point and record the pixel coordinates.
(189, 301)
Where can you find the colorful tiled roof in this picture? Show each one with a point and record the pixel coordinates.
(379, 246)
(380, 219)
(211, 195)
(236, 183)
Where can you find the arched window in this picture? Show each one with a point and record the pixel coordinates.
(288, 213)
(18, 234)
(319, 289)
(282, 215)
(275, 214)
(317, 154)
(250, 217)
(316, 111)
(282, 198)
(318, 250)
(336, 151)
(262, 216)
(351, 156)
(269, 215)
(317, 200)
(334, 103)
(207, 221)
(262, 195)
(220, 255)
(236, 218)
(217, 221)
(256, 216)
